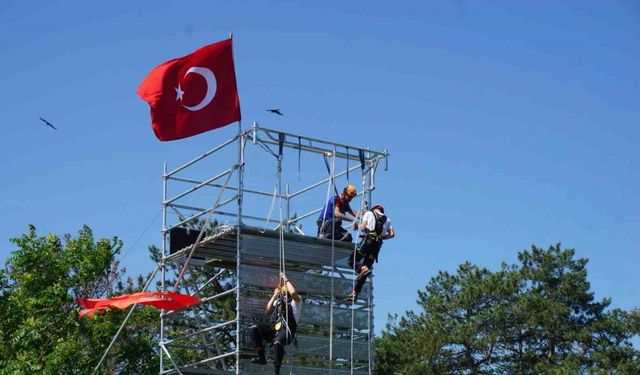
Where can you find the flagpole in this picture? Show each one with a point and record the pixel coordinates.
(238, 230)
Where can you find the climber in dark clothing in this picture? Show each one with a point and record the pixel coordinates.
(284, 306)
(375, 228)
(331, 216)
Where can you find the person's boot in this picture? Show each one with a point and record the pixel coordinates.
(352, 297)
(364, 272)
(261, 360)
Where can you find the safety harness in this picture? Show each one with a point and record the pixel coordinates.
(370, 247)
(283, 317)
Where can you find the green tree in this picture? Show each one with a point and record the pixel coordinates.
(534, 317)
(40, 330)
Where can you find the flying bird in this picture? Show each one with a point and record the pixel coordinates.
(48, 123)
(276, 111)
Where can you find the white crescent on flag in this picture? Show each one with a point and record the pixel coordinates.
(210, 78)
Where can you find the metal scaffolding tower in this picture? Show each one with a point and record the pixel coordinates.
(232, 264)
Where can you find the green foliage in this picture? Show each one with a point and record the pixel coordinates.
(534, 317)
(40, 330)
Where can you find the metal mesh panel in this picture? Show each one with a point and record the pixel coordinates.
(319, 345)
(263, 249)
(249, 368)
(253, 309)
(310, 285)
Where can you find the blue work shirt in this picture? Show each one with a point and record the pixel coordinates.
(327, 212)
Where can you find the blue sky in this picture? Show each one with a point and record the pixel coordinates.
(508, 123)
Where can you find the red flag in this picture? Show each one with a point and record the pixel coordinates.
(160, 300)
(192, 94)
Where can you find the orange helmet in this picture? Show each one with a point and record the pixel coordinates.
(350, 190)
(378, 206)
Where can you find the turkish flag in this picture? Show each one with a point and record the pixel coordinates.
(192, 94)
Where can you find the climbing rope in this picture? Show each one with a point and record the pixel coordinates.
(333, 264)
(268, 219)
(369, 325)
(282, 258)
(355, 249)
(283, 269)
